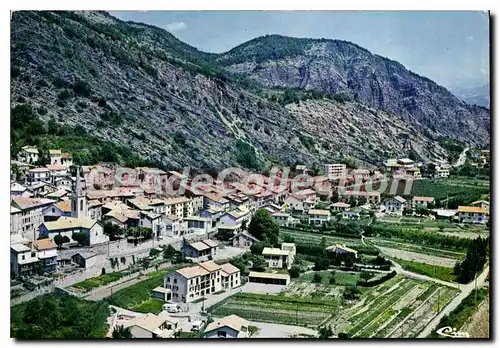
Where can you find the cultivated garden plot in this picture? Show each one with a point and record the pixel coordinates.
(276, 309)
(401, 310)
(448, 254)
(418, 257)
(302, 238)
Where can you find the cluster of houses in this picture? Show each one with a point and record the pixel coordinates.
(476, 213)
(62, 199)
(480, 158)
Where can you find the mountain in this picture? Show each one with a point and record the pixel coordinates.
(335, 66)
(100, 87)
(475, 95)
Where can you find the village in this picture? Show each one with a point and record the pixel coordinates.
(110, 227)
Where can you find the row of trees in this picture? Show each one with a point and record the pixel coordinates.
(474, 260)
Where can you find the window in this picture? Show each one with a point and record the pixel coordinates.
(23, 257)
(221, 333)
(33, 254)
(175, 280)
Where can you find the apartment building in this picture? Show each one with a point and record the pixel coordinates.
(191, 283)
(335, 171)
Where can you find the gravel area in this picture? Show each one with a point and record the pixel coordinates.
(417, 257)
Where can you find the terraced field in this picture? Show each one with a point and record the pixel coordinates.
(399, 309)
(315, 238)
(276, 309)
(450, 254)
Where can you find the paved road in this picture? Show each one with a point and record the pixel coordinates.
(462, 158)
(466, 290)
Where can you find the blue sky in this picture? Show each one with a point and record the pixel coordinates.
(450, 47)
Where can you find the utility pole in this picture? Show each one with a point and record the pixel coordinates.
(297, 316)
(475, 285)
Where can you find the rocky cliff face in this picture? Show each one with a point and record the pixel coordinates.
(138, 86)
(334, 66)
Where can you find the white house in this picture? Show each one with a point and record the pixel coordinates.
(481, 204)
(318, 216)
(152, 326)
(231, 326)
(66, 226)
(23, 260)
(244, 240)
(234, 218)
(28, 154)
(55, 157)
(57, 171)
(300, 203)
(339, 206)
(15, 221)
(18, 190)
(47, 254)
(198, 225)
(38, 175)
(230, 276)
(283, 219)
(280, 258)
(395, 205)
(443, 173)
(422, 201)
(56, 210)
(172, 226)
(474, 215)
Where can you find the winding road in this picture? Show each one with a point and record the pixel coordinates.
(462, 158)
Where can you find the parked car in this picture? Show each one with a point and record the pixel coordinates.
(172, 307)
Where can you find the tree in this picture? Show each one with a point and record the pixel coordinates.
(80, 238)
(343, 335)
(322, 263)
(317, 278)
(325, 332)
(256, 248)
(351, 293)
(59, 240)
(121, 332)
(294, 271)
(288, 238)
(365, 275)
(264, 228)
(169, 252)
(258, 263)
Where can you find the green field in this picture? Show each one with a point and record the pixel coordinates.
(402, 307)
(276, 309)
(152, 305)
(463, 312)
(418, 248)
(438, 272)
(98, 281)
(137, 294)
(315, 238)
(341, 278)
